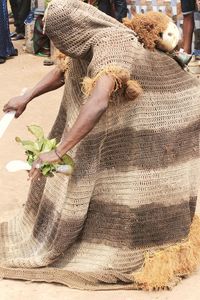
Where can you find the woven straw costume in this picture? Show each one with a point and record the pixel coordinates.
(125, 218)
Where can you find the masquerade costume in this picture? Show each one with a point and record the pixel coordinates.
(125, 218)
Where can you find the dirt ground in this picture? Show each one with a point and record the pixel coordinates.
(24, 71)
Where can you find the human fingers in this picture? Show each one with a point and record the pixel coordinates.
(11, 107)
(36, 174)
(15, 103)
(35, 169)
(19, 112)
(8, 108)
(11, 104)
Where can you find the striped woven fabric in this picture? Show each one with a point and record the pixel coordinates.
(124, 218)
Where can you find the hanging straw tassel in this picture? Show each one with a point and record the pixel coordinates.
(132, 88)
(166, 267)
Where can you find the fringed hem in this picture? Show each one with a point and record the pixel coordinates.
(131, 89)
(61, 60)
(165, 268)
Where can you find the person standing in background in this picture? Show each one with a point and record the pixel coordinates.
(121, 10)
(20, 10)
(106, 7)
(6, 46)
(188, 8)
(114, 8)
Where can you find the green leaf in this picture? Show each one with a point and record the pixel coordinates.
(31, 148)
(37, 131)
(30, 157)
(41, 145)
(38, 145)
(27, 144)
(67, 160)
(30, 160)
(54, 143)
(47, 169)
(48, 145)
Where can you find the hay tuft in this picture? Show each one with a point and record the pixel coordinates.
(131, 88)
(166, 267)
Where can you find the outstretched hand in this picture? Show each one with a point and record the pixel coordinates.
(48, 157)
(18, 104)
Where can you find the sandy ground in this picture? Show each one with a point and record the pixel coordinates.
(24, 71)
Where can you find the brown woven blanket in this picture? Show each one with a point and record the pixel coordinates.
(122, 220)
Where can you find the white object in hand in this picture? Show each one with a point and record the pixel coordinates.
(17, 165)
(5, 121)
(65, 169)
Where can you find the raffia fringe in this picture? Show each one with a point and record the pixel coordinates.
(61, 60)
(132, 88)
(148, 27)
(165, 268)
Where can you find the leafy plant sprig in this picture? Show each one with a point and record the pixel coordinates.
(41, 145)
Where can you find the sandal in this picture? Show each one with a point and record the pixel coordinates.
(2, 60)
(48, 62)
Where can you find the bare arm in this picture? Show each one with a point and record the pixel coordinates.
(88, 117)
(89, 114)
(53, 80)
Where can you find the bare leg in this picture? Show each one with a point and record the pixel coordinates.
(188, 28)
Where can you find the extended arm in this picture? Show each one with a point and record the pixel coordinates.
(89, 114)
(53, 80)
(88, 117)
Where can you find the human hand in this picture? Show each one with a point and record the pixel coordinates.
(18, 104)
(47, 157)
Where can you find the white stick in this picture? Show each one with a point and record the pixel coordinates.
(17, 165)
(8, 117)
(5, 121)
